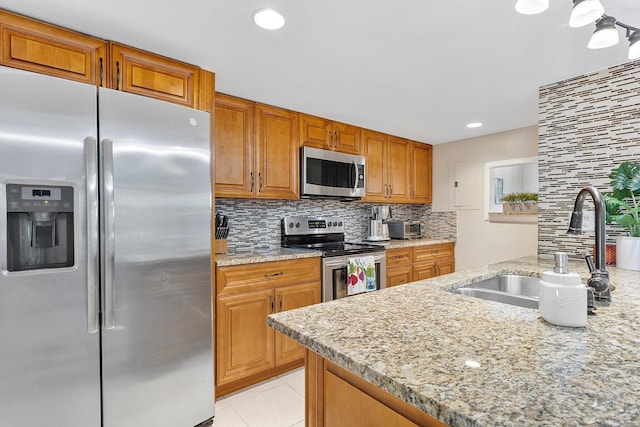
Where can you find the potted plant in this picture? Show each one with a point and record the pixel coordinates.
(520, 203)
(622, 206)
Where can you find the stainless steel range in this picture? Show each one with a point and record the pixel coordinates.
(326, 234)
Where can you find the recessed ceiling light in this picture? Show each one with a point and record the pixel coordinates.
(474, 125)
(269, 19)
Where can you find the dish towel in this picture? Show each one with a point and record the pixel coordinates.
(361, 275)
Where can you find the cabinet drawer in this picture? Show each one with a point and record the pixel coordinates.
(401, 256)
(399, 275)
(431, 252)
(248, 277)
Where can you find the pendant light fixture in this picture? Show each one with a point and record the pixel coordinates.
(634, 45)
(605, 35)
(584, 12)
(532, 7)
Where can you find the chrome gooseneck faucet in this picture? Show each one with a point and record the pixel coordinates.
(599, 280)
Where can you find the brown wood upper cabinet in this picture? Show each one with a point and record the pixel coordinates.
(234, 147)
(144, 73)
(329, 135)
(43, 48)
(388, 168)
(276, 153)
(256, 150)
(421, 170)
(33, 45)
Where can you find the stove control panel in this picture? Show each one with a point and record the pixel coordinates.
(305, 225)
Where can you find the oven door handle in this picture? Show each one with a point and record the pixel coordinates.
(342, 261)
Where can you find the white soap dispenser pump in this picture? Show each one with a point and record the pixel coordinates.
(563, 298)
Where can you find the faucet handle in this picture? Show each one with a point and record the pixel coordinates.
(590, 264)
(591, 307)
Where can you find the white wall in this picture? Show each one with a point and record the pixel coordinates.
(480, 242)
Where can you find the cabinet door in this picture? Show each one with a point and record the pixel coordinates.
(399, 275)
(398, 165)
(375, 150)
(288, 298)
(35, 46)
(147, 74)
(234, 147)
(315, 132)
(421, 167)
(424, 271)
(347, 138)
(446, 266)
(345, 405)
(244, 343)
(277, 153)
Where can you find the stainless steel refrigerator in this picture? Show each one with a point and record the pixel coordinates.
(105, 258)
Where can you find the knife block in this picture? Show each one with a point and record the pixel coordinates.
(221, 246)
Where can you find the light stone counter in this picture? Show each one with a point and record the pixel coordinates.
(400, 243)
(264, 255)
(279, 254)
(416, 341)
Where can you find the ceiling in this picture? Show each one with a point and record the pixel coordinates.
(413, 68)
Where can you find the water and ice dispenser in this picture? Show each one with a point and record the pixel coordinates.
(39, 227)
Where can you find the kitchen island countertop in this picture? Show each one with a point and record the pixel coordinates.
(468, 362)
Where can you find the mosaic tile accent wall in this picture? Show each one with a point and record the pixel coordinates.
(256, 223)
(588, 125)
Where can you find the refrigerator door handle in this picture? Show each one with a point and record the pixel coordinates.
(108, 260)
(91, 169)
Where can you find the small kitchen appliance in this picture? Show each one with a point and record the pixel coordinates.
(326, 234)
(378, 227)
(404, 229)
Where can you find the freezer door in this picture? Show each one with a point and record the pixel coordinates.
(49, 337)
(157, 340)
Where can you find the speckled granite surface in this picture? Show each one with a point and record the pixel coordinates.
(263, 255)
(398, 243)
(279, 254)
(416, 340)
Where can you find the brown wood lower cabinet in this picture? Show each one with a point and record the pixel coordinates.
(406, 265)
(247, 350)
(336, 397)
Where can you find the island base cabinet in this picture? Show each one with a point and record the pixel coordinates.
(335, 397)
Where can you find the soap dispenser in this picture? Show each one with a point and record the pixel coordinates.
(563, 298)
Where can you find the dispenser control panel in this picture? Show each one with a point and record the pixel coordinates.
(39, 198)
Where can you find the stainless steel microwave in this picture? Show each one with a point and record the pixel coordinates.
(331, 174)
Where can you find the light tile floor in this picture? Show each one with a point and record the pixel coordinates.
(277, 402)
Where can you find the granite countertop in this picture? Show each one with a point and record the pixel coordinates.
(408, 243)
(471, 362)
(263, 255)
(279, 254)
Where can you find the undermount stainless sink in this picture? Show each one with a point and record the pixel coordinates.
(506, 288)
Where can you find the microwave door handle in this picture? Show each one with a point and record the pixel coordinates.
(355, 176)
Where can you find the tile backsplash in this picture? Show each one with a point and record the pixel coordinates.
(588, 125)
(255, 223)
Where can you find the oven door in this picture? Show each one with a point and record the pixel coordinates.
(331, 174)
(334, 274)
